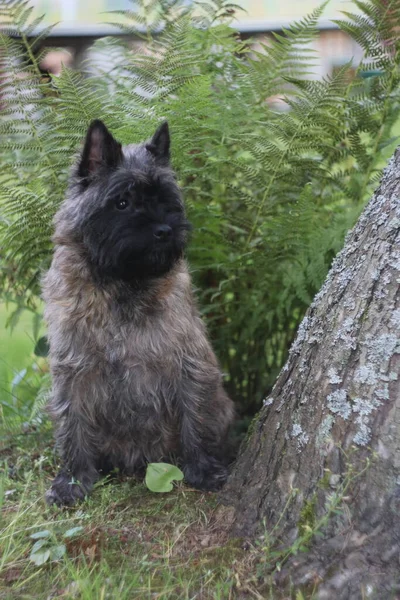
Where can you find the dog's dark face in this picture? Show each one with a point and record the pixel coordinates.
(131, 214)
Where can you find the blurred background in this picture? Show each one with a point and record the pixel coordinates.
(79, 24)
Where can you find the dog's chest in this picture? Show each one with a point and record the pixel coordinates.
(143, 368)
(143, 347)
(127, 371)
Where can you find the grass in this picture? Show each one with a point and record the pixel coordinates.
(133, 543)
(20, 369)
(15, 348)
(128, 543)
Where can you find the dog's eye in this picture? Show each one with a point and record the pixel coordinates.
(121, 203)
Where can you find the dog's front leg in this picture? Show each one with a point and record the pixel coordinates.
(78, 473)
(201, 468)
(206, 413)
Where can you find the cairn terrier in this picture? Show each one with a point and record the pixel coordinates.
(135, 379)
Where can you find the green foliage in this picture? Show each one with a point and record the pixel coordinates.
(128, 544)
(22, 406)
(46, 547)
(41, 347)
(24, 377)
(270, 192)
(159, 476)
(123, 542)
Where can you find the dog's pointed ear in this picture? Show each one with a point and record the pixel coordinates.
(100, 151)
(160, 143)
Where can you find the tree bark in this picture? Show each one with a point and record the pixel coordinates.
(335, 405)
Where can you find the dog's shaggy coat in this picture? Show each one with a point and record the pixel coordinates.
(134, 377)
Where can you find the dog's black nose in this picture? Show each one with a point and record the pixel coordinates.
(162, 232)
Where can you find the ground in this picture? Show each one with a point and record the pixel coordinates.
(132, 543)
(124, 542)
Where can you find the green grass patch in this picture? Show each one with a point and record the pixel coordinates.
(131, 543)
(16, 347)
(20, 370)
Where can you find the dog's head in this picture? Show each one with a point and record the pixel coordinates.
(125, 206)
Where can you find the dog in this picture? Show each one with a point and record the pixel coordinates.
(134, 377)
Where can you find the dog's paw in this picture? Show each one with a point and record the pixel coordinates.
(209, 475)
(65, 491)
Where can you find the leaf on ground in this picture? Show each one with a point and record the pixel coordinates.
(57, 552)
(39, 558)
(38, 545)
(159, 476)
(45, 533)
(74, 531)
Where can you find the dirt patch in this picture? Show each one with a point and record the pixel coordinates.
(212, 533)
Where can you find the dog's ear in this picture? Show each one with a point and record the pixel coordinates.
(160, 143)
(100, 151)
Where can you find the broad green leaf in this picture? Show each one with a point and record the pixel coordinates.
(45, 533)
(57, 552)
(160, 475)
(38, 545)
(74, 531)
(39, 558)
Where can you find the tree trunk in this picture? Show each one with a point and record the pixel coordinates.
(335, 405)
